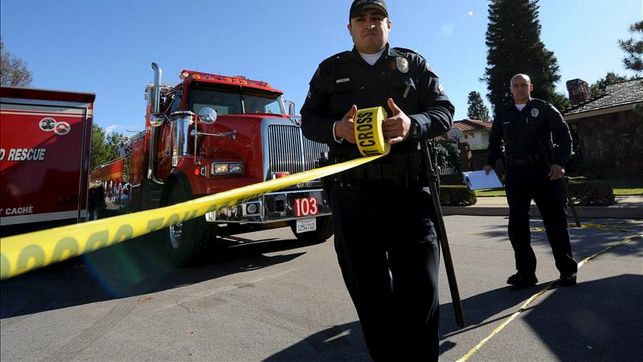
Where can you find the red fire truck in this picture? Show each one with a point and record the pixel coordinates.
(45, 141)
(208, 134)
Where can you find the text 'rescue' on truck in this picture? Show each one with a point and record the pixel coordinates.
(45, 138)
(208, 134)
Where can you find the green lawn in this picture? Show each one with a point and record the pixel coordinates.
(490, 193)
(621, 188)
(627, 187)
(628, 192)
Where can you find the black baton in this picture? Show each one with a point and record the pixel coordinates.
(442, 234)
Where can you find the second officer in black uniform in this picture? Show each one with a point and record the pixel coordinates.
(385, 238)
(537, 144)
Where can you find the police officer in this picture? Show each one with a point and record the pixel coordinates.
(529, 130)
(385, 239)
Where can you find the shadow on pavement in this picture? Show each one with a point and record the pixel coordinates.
(338, 343)
(593, 321)
(479, 308)
(600, 320)
(128, 269)
(591, 237)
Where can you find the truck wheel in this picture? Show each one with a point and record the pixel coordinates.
(186, 241)
(323, 231)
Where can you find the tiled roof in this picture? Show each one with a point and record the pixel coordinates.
(469, 125)
(619, 94)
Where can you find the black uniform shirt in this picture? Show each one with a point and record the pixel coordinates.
(539, 129)
(346, 79)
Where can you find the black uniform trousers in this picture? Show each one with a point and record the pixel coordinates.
(527, 183)
(389, 256)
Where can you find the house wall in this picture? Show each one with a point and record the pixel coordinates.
(478, 140)
(612, 144)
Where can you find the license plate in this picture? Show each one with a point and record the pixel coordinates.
(306, 206)
(306, 225)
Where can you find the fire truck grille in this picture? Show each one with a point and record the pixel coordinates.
(289, 151)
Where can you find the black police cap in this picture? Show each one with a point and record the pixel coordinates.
(359, 5)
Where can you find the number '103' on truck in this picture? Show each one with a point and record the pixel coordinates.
(208, 134)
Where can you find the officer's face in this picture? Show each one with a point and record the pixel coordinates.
(369, 30)
(520, 89)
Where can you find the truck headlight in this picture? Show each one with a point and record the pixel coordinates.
(226, 168)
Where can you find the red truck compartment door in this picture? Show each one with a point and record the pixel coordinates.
(43, 161)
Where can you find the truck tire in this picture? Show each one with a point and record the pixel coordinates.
(185, 242)
(323, 232)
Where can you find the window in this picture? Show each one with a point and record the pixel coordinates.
(221, 100)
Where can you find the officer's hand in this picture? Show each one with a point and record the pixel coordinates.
(345, 128)
(487, 169)
(396, 128)
(556, 171)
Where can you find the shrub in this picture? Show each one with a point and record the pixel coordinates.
(590, 192)
(456, 195)
(453, 179)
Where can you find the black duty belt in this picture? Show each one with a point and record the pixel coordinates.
(396, 170)
(529, 160)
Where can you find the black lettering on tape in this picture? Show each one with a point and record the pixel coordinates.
(32, 253)
(364, 114)
(364, 127)
(97, 240)
(369, 143)
(65, 248)
(365, 136)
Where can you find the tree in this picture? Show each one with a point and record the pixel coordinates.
(513, 39)
(13, 70)
(600, 85)
(560, 101)
(477, 109)
(633, 49)
(104, 147)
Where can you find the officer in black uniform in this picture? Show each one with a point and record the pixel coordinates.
(537, 144)
(385, 239)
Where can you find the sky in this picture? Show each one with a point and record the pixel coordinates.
(107, 47)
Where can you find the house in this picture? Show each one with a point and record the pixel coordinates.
(474, 132)
(470, 138)
(609, 128)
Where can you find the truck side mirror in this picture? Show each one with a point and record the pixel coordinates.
(156, 119)
(291, 108)
(207, 115)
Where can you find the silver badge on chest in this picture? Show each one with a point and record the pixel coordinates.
(535, 112)
(402, 64)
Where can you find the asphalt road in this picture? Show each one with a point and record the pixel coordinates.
(271, 298)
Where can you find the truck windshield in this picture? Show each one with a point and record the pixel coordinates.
(231, 101)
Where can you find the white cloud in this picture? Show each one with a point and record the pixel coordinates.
(112, 128)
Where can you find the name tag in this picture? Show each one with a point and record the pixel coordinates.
(343, 80)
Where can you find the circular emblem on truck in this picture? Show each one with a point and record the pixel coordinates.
(62, 128)
(47, 124)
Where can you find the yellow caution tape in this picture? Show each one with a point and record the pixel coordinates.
(22, 253)
(368, 131)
